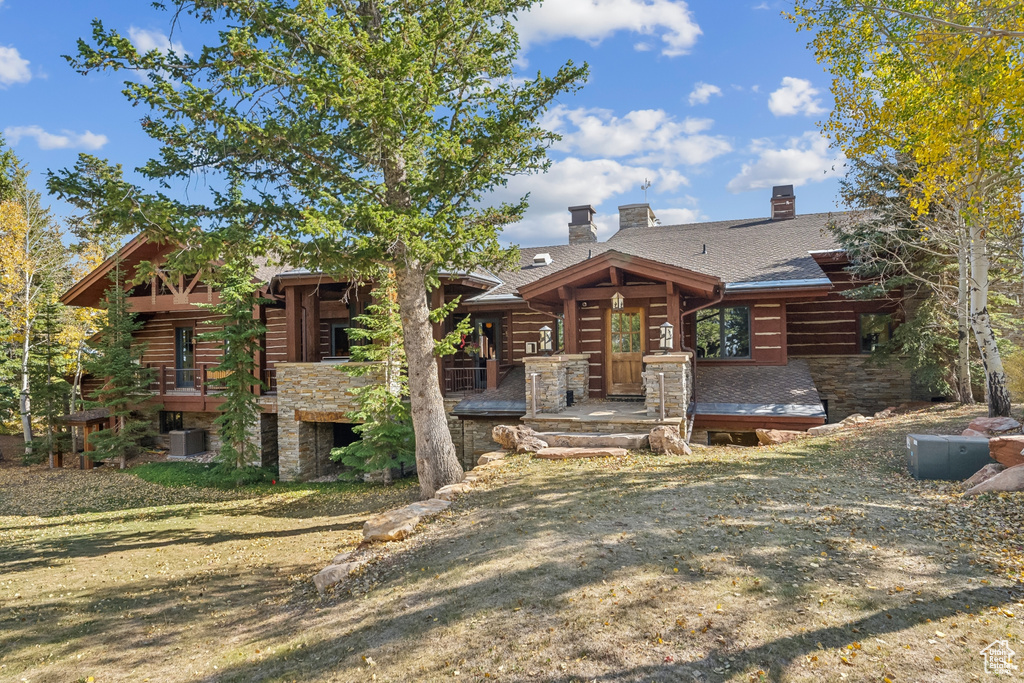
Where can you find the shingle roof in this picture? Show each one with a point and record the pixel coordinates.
(749, 250)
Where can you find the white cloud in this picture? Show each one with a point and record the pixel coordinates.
(796, 96)
(805, 159)
(574, 181)
(763, 5)
(147, 41)
(13, 67)
(678, 216)
(648, 136)
(702, 93)
(595, 20)
(66, 140)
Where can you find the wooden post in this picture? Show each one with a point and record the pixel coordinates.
(202, 380)
(293, 325)
(259, 313)
(163, 379)
(672, 295)
(311, 305)
(568, 296)
(492, 373)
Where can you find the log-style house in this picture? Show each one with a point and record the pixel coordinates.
(722, 327)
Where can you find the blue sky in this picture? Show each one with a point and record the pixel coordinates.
(714, 102)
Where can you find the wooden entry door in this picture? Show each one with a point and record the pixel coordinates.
(626, 343)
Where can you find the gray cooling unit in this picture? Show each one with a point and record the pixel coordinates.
(952, 458)
(187, 442)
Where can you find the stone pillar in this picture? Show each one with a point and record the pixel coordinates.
(678, 373)
(554, 375)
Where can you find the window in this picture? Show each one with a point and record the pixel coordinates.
(340, 344)
(723, 332)
(170, 421)
(875, 330)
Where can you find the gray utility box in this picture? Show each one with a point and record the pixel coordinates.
(187, 442)
(952, 458)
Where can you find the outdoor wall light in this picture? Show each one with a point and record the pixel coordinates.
(545, 339)
(618, 302)
(667, 334)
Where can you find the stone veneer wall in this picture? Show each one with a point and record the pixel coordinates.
(852, 384)
(678, 373)
(477, 438)
(316, 387)
(556, 375)
(268, 440)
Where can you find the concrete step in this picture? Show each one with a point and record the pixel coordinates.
(575, 453)
(593, 440)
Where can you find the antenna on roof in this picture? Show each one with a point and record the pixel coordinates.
(644, 187)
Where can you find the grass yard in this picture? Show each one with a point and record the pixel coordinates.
(814, 561)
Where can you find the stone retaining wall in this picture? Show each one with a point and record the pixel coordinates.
(324, 392)
(854, 384)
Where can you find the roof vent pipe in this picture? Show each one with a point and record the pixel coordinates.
(542, 259)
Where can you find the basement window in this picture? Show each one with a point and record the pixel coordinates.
(170, 421)
(723, 332)
(875, 331)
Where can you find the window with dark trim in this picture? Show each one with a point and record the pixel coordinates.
(723, 332)
(170, 421)
(875, 331)
(340, 343)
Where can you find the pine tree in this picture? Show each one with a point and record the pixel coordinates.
(383, 421)
(49, 389)
(127, 383)
(8, 370)
(240, 333)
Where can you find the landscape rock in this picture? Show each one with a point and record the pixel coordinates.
(493, 456)
(574, 453)
(520, 439)
(1011, 479)
(344, 557)
(973, 432)
(334, 574)
(984, 474)
(449, 492)
(771, 437)
(994, 425)
(855, 419)
(885, 414)
(395, 525)
(668, 441)
(592, 440)
(1007, 450)
(825, 429)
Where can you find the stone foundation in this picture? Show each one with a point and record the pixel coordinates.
(853, 384)
(476, 438)
(311, 397)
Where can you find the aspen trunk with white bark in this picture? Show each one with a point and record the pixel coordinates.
(997, 395)
(963, 326)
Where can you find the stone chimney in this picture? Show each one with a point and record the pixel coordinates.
(783, 203)
(582, 229)
(636, 216)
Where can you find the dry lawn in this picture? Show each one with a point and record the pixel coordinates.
(814, 561)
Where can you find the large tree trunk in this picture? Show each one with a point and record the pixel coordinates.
(995, 378)
(963, 326)
(436, 462)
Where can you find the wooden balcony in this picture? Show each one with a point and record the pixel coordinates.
(472, 379)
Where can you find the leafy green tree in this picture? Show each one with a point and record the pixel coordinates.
(239, 332)
(382, 419)
(367, 135)
(117, 361)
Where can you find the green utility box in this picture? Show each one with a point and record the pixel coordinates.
(952, 458)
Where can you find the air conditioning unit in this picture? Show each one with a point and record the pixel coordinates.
(185, 442)
(951, 458)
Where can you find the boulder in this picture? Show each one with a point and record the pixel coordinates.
(770, 437)
(984, 474)
(449, 492)
(994, 425)
(395, 525)
(884, 414)
(334, 574)
(632, 442)
(1007, 450)
(668, 441)
(855, 419)
(973, 432)
(520, 439)
(493, 456)
(1011, 479)
(825, 429)
(574, 453)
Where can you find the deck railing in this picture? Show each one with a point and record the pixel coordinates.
(468, 380)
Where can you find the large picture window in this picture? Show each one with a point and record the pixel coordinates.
(723, 332)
